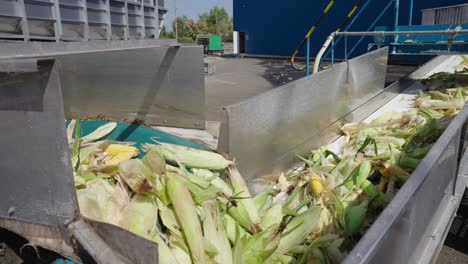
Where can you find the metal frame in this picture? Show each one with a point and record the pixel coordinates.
(379, 34)
(82, 20)
(413, 227)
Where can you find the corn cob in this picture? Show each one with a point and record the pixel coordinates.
(213, 230)
(296, 230)
(315, 186)
(272, 217)
(355, 217)
(187, 217)
(240, 188)
(100, 132)
(192, 158)
(391, 170)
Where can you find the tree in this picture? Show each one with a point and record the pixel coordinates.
(186, 29)
(166, 35)
(217, 21)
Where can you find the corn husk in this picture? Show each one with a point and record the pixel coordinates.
(137, 176)
(100, 132)
(141, 216)
(193, 158)
(187, 218)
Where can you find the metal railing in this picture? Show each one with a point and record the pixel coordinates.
(379, 34)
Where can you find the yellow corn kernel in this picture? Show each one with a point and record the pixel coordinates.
(116, 149)
(316, 186)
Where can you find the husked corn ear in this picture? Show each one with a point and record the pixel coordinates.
(315, 186)
(116, 149)
(391, 170)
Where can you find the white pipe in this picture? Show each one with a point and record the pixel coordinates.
(322, 51)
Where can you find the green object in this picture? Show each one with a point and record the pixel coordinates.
(211, 42)
(137, 133)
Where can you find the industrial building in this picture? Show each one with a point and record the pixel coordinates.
(275, 28)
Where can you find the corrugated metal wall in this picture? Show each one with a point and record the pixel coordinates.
(447, 15)
(276, 27)
(77, 20)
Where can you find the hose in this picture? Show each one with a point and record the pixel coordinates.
(311, 30)
(348, 17)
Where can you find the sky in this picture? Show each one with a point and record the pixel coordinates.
(192, 8)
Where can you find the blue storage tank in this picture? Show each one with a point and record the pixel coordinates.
(276, 27)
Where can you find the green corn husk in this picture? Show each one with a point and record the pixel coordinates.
(164, 252)
(141, 215)
(370, 189)
(155, 161)
(213, 230)
(355, 217)
(241, 190)
(137, 176)
(210, 249)
(233, 230)
(257, 248)
(187, 217)
(442, 105)
(273, 216)
(408, 163)
(216, 181)
(398, 142)
(439, 96)
(429, 113)
(388, 117)
(168, 218)
(103, 202)
(180, 250)
(100, 132)
(193, 158)
(313, 255)
(262, 198)
(299, 227)
(239, 213)
(419, 153)
(199, 193)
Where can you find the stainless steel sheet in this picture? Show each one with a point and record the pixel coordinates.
(406, 225)
(35, 155)
(267, 131)
(153, 80)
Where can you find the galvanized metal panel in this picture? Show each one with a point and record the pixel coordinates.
(162, 86)
(457, 14)
(404, 227)
(33, 124)
(267, 131)
(152, 80)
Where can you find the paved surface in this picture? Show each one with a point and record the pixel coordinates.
(451, 256)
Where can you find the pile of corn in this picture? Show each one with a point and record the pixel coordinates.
(312, 215)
